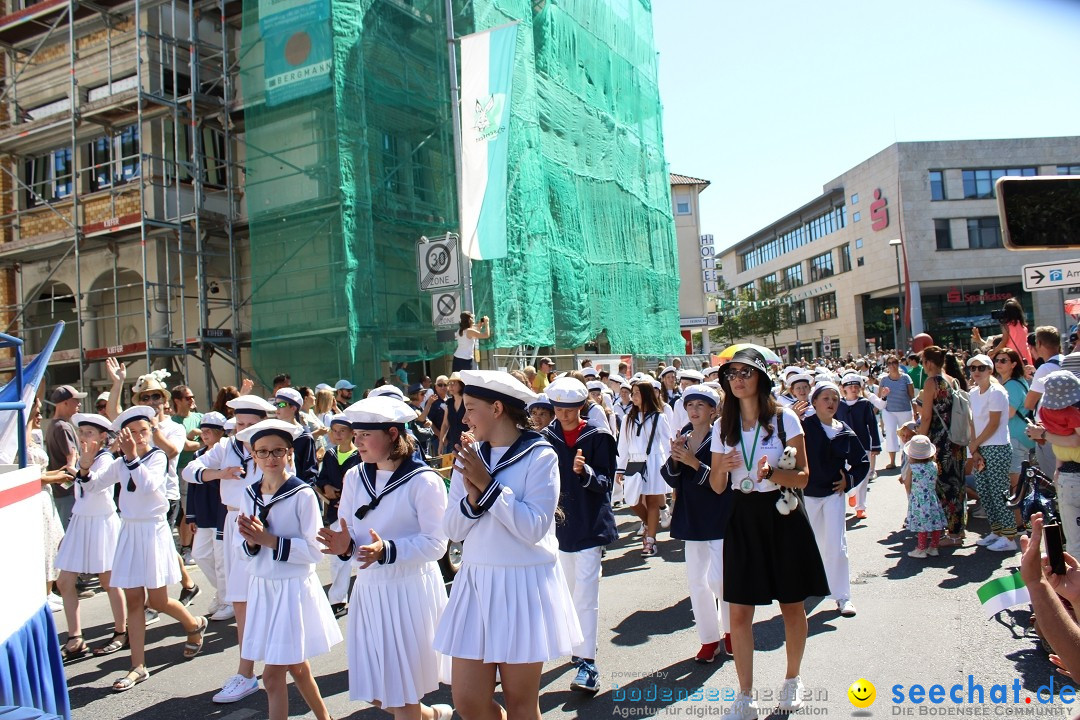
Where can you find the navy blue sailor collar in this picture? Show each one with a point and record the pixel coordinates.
(522, 447)
(290, 487)
(554, 432)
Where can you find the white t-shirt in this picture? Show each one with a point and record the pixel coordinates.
(465, 346)
(175, 433)
(995, 399)
(1038, 380)
(770, 448)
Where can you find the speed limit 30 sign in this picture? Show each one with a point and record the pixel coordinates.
(437, 264)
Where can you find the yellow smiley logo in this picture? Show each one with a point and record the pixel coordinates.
(862, 693)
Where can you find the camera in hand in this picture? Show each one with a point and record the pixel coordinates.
(998, 315)
(1055, 551)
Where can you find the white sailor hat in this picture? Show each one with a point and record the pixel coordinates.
(279, 428)
(799, 377)
(388, 391)
(132, 414)
(250, 404)
(495, 385)
(381, 412)
(711, 370)
(589, 372)
(822, 386)
(852, 379)
(714, 385)
(595, 385)
(293, 397)
(669, 370)
(789, 370)
(691, 375)
(701, 392)
(213, 420)
(323, 386)
(567, 392)
(656, 384)
(625, 385)
(340, 419)
(616, 378)
(230, 425)
(93, 420)
(541, 401)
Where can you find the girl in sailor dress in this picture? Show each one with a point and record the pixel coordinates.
(391, 517)
(509, 609)
(288, 616)
(699, 519)
(644, 447)
(230, 462)
(144, 563)
(858, 412)
(90, 541)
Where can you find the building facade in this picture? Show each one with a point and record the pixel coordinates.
(908, 241)
(698, 266)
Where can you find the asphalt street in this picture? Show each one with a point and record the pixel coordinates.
(918, 622)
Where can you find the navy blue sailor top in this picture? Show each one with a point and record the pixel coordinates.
(700, 513)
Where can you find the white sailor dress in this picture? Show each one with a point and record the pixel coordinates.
(510, 602)
(145, 554)
(396, 603)
(645, 440)
(89, 544)
(229, 452)
(289, 619)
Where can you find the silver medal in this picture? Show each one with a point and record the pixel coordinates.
(746, 485)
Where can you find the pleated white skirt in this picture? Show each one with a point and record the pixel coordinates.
(288, 620)
(89, 545)
(145, 555)
(234, 561)
(509, 614)
(393, 614)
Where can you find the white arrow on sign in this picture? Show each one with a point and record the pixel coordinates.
(1051, 275)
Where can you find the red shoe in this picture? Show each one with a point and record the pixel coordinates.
(708, 653)
(727, 643)
(860, 514)
(851, 501)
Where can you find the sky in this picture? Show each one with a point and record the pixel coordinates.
(771, 100)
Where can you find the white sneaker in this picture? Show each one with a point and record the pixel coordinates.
(236, 688)
(56, 603)
(665, 517)
(640, 531)
(214, 606)
(443, 712)
(932, 551)
(791, 694)
(846, 608)
(988, 539)
(225, 612)
(744, 708)
(917, 553)
(1003, 544)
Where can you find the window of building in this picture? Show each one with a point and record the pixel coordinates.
(391, 164)
(795, 312)
(682, 203)
(793, 277)
(979, 184)
(48, 176)
(860, 261)
(1068, 169)
(858, 244)
(821, 266)
(845, 258)
(855, 199)
(114, 159)
(984, 232)
(856, 217)
(825, 307)
(943, 233)
(749, 289)
(937, 185)
(804, 234)
(178, 164)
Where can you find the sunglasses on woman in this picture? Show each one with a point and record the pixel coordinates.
(744, 374)
(1002, 360)
(978, 368)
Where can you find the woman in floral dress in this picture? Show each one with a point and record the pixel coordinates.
(936, 399)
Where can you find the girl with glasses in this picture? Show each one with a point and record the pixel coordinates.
(288, 617)
(769, 555)
(991, 451)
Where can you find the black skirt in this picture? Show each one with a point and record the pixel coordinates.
(768, 556)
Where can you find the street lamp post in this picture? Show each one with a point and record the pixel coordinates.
(896, 242)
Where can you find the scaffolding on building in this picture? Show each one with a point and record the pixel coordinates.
(119, 122)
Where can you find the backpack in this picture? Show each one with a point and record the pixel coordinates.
(960, 420)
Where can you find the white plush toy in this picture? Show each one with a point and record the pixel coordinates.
(788, 500)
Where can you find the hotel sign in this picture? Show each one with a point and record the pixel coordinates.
(709, 278)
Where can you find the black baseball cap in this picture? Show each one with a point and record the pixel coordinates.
(65, 392)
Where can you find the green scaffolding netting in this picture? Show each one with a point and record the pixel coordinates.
(349, 160)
